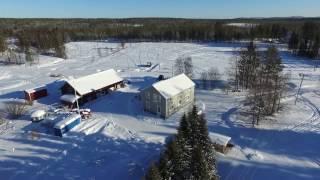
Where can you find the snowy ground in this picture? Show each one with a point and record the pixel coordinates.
(121, 140)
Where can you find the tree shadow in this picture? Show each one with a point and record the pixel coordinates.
(286, 144)
(77, 156)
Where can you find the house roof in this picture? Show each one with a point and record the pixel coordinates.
(93, 82)
(173, 86)
(35, 89)
(219, 139)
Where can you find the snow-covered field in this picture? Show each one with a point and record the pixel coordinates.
(121, 140)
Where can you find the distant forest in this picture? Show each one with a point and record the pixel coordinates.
(301, 34)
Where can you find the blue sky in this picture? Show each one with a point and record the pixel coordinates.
(158, 8)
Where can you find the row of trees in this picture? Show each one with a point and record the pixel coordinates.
(306, 40)
(209, 78)
(156, 29)
(44, 41)
(30, 44)
(260, 74)
(190, 155)
(183, 65)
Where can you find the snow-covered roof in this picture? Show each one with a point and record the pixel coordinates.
(173, 86)
(69, 98)
(87, 84)
(38, 113)
(35, 89)
(219, 139)
(63, 123)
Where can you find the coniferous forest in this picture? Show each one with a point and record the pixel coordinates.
(301, 34)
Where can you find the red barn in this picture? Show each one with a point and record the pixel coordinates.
(36, 93)
(90, 87)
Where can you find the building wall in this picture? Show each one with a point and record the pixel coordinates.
(36, 95)
(175, 103)
(155, 103)
(67, 89)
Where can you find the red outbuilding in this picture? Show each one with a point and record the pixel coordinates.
(36, 93)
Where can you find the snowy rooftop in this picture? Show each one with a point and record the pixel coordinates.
(38, 113)
(63, 123)
(35, 89)
(69, 98)
(219, 139)
(173, 86)
(87, 84)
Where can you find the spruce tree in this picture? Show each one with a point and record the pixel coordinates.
(169, 160)
(153, 173)
(205, 144)
(190, 154)
(199, 166)
(294, 42)
(3, 45)
(315, 47)
(184, 147)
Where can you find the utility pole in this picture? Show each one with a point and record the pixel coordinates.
(302, 78)
(75, 95)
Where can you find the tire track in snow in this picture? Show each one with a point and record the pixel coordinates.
(311, 123)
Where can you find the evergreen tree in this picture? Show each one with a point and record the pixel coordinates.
(3, 45)
(294, 42)
(315, 47)
(153, 173)
(190, 155)
(168, 160)
(200, 168)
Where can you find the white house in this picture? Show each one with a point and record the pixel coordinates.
(168, 96)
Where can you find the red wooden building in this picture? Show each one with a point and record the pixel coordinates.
(90, 87)
(36, 93)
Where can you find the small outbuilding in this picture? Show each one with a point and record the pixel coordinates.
(166, 97)
(90, 87)
(220, 142)
(36, 93)
(66, 124)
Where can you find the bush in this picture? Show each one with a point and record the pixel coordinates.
(16, 109)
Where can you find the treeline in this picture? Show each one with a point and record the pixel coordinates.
(44, 40)
(45, 34)
(30, 43)
(155, 29)
(189, 155)
(261, 74)
(305, 41)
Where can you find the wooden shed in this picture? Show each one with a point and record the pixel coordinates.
(220, 142)
(36, 93)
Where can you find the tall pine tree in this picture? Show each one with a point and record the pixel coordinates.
(190, 155)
